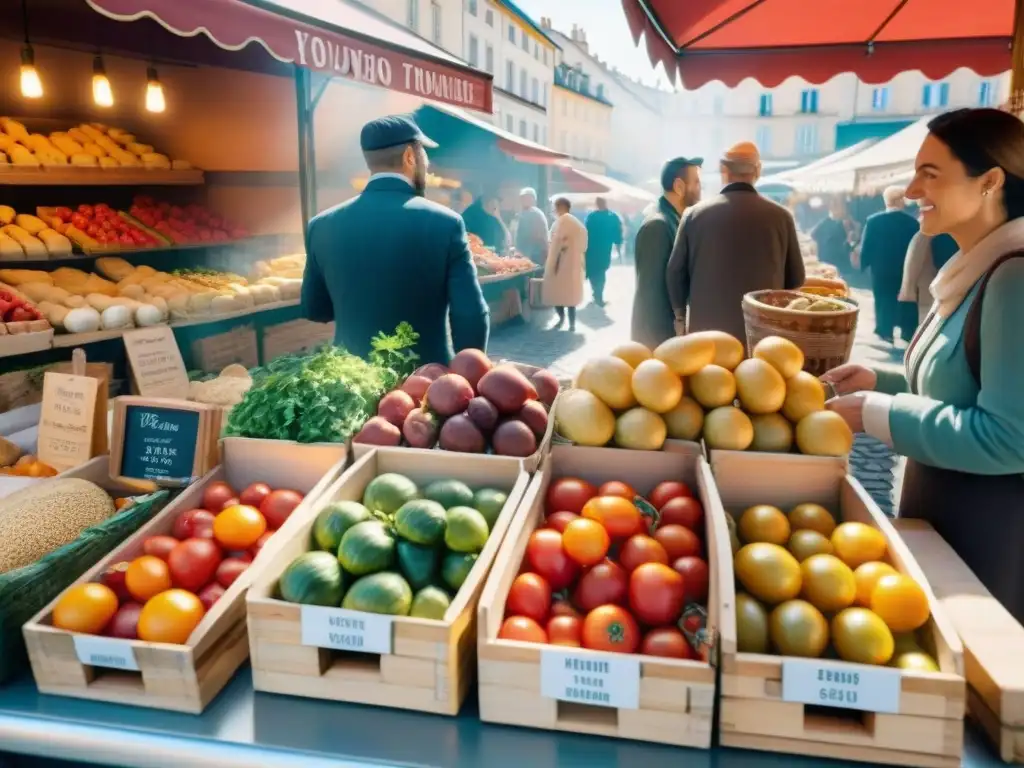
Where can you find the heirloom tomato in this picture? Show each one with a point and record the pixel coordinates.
(617, 488)
(529, 596)
(548, 559)
(568, 494)
(678, 541)
(641, 549)
(656, 594)
(663, 493)
(618, 516)
(685, 511)
(695, 575)
(522, 628)
(565, 630)
(611, 628)
(559, 520)
(604, 584)
(585, 541)
(667, 642)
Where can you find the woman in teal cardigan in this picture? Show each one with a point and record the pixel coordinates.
(958, 413)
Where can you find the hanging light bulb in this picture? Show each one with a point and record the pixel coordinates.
(154, 92)
(31, 85)
(102, 93)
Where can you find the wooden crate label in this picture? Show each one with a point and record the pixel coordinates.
(97, 651)
(156, 362)
(159, 443)
(602, 679)
(345, 630)
(846, 686)
(67, 420)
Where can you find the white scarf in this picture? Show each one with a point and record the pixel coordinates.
(956, 278)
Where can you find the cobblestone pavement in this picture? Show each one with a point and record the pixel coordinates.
(598, 330)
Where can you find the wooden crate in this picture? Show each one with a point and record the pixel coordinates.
(185, 677)
(928, 729)
(431, 663)
(991, 637)
(676, 697)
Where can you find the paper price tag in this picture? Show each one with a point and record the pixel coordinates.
(156, 362)
(67, 420)
(603, 679)
(344, 630)
(105, 652)
(835, 684)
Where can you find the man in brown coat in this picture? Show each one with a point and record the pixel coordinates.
(727, 246)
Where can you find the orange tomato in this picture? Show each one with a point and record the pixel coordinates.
(585, 541)
(618, 516)
(611, 628)
(86, 608)
(170, 617)
(565, 630)
(617, 488)
(146, 577)
(900, 602)
(523, 629)
(867, 575)
(238, 527)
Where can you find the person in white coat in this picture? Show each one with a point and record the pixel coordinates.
(564, 269)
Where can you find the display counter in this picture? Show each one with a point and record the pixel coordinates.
(243, 728)
(506, 295)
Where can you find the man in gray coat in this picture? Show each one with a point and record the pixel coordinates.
(728, 246)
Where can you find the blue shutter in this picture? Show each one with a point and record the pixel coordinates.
(944, 94)
(926, 95)
(814, 101)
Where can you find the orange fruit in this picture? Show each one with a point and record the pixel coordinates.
(764, 522)
(86, 608)
(147, 576)
(585, 541)
(858, 543)
(170, 617)
(900, 602)
(827, 583)
(238, 527)
(812, 517)
(866, 576)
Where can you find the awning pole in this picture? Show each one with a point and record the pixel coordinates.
(1017, 71)
(307, 152)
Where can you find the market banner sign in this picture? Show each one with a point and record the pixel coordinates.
(329, 36)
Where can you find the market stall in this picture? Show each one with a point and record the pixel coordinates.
(624, 198)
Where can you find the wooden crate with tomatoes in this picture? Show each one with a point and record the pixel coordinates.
(372, 597)
(160, 622)
(638, 541)
(837, 647)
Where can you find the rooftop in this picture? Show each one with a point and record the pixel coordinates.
(524, 17)
(576, 80)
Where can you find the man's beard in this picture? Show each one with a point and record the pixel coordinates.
(691, 198)
(419, 181)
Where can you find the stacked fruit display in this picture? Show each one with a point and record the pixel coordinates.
(809, 587)
(162, 595)
(99, 226)
(184, 224)
(401, 552)
(700, 385)
(612, 571)
(470, 407)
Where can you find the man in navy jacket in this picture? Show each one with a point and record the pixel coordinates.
(390, 255)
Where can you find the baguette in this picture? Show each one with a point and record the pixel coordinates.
(56, 244)
(66, 144)
(91, 148)
(22, 156)
(33, 246)
(55, 313)
(80, 136)
(6, 142)
(156, 161)
(13, 128)
(18, 277)
(114, 268)
(10, 249)
(109, 162)
(44, 292)
(6, 215)
(138, 149)
(91, 132)
(31, 224)
(83, 160)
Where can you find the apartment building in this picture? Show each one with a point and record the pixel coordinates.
(581, 119)
(439, 21)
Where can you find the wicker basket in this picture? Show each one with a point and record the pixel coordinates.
(826, 338)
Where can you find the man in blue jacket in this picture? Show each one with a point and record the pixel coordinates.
(389, 255)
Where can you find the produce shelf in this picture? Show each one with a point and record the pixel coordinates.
(24, 343)
(78, 339)
(127, 253)
(96, 177)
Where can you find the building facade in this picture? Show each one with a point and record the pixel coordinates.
(580, 119)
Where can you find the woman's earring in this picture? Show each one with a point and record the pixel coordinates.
(985, 192)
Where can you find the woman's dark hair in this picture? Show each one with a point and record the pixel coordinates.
(983, 139)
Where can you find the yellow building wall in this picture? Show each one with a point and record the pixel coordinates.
(581, 127)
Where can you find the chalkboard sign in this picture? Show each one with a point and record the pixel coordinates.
(170, 442)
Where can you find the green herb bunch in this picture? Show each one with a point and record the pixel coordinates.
(325, 396)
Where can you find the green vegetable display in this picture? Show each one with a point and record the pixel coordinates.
(326, 396)
(398, 553)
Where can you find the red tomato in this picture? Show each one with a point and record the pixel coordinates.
(678, 541)
(254, 495)
(278, 505)
(159, 546)
(611, 628)
(665, 492)
(523, 629)
(565, 630)
(529, 596)
(667, 642)
(656, 594)
(210, 594)
(617, 488)
(125, 623)
(548, 559)
(695, 577)
(229, 570)
(685, 511)
(559, 520)
(641, 549)
(193, 563)
(216, 494)
(260, 542)
(586, 541)
(194, 524)
(618, 516)
(604, 584)
(564, 608)
(114, 579)
(568, 494)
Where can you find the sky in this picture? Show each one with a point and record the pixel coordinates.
(607, 32)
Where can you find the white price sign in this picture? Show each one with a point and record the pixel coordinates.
(835, 684)
(344, 630)
(602, 679)
(105, 652)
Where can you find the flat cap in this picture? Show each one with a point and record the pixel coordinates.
(744, 152)
(673, 169)
(392, 131)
